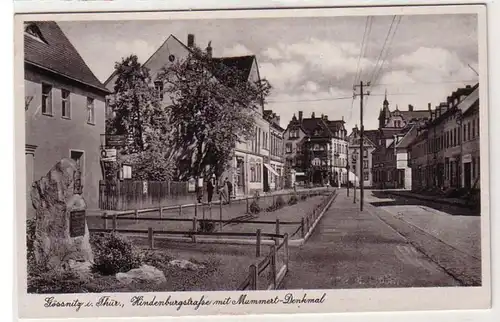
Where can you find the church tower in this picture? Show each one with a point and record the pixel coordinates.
(384, 112)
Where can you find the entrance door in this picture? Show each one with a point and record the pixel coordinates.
(467, 175)
(240, 177)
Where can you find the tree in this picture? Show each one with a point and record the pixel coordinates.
(139, 114)
(213, 108)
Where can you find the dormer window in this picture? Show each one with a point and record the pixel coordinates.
(31, 30)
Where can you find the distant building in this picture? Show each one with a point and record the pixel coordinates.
(316, 149)
(65, 109)
(446, 152)
(252, 166)
(366, 163)
(390, 158)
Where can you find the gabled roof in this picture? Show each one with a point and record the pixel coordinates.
(408, 137)
(243, 64)
(371, 135)
(311, 125)
(56, 54)
(389, 132)
(335, 125)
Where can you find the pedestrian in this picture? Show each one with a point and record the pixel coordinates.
(210, 189)
(229, 190)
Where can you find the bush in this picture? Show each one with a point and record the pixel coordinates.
(43, 281)
(293, 200)
(303, 197)
(254, 207)
(113, 254)
(206, 225)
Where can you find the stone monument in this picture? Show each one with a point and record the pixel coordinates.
(61, 233)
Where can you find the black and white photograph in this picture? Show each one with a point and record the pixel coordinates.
(178, 163)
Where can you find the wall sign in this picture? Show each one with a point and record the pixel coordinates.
(77, 223)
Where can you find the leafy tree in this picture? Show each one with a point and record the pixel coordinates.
(213, 108)
(139, 114)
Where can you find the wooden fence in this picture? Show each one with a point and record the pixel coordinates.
(268, 274)
(126, 195)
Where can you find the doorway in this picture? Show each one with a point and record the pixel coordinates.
(467, 175)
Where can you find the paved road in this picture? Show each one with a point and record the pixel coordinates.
(374, 248)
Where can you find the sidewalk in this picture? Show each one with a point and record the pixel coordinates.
(449, 201)
(353, 249)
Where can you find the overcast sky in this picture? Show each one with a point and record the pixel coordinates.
(312, 62)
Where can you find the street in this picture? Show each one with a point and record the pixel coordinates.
(392, 243)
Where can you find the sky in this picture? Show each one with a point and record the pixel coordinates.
(312, 63)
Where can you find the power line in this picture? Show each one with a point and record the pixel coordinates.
(382, 50)
(389, 47)
(335, 98)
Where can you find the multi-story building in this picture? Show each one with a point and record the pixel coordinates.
(276, 149)
(366, 162)
(251, 167)
(316, 148)
(390, 158)
(64, 109)
(445, 153)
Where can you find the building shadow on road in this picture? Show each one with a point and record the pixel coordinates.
(396, 200)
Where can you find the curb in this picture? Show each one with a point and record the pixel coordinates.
(302, 241)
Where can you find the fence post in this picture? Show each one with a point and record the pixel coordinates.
(259, 240)
(161, 211)
(254, 277)
(303, 227)
(210, 209)
(136, 215)
(285, 240)
(114, 222)
(220, 215)
(180, 210)
(151, 237)
(194, 230)
(273, 266)
(196, 209)
(248, 206)
(203, 210)
(277, 239)
(104, 217)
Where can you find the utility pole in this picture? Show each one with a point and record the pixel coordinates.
(361, 133)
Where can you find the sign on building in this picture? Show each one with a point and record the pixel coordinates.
(108, 155)
(115, 140)
(192, 185)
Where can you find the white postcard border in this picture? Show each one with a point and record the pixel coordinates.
(365, 300)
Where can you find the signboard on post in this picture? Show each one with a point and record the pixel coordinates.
(115, 140)
(192, 185)
(108, 155)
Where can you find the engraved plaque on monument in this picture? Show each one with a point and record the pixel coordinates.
(77, 223)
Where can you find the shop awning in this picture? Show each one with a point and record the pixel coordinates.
(271, 169)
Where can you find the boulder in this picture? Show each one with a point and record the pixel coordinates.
(185, 264)
(145, 273)
(55, 201)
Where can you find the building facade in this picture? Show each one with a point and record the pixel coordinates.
(366, 162)
(445, 154)
(251, 168)
(316, 148)
(64, 109)
(276, 150)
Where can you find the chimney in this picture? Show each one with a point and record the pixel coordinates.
(313, 115)
(410, 108)
(326, 117)
(300, 116)
(468, 86)
(190, 43)
(429, 106)
(209, 49)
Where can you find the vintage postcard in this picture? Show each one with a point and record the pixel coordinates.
(252, 161)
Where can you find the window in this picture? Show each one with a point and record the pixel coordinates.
(365, 153)
(365, 164)
(455, 137)
(473, 128)
(259, 172)
(66, 104)
(473, 168)
(468, 131)
(46, 99)
(366, 176)
(289, 148)
(90, 111)
(465, 132)
(159, 89)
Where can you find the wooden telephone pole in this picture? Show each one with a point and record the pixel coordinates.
(361, 94)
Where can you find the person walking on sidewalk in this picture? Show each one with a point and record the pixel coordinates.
(229, 190)
(210, 189)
